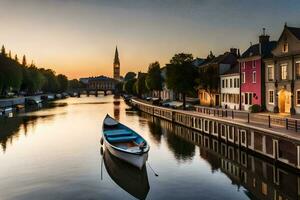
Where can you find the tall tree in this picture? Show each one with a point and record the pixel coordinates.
(128, 86)
(181, 74)
(141, 84)
(3, 51)
(154, 78)
(9, 54)
(16, 58)
(129, 76)
(24, 62)
(63, 82)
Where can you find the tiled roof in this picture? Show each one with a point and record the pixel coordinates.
(233, 70)
(295, 31)
(254, 50)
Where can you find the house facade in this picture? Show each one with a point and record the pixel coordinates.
(213, 69)
(283, 73)
(230, 88)
(252, 72)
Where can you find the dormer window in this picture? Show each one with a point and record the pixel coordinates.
(285, 47)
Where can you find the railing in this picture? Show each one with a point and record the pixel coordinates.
(288, 123)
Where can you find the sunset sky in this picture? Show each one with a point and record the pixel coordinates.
(78, 37)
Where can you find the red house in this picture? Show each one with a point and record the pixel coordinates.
(252, 72)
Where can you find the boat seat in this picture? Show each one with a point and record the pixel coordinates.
(118, 133)
(121, 139)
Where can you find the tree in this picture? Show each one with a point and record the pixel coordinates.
(74, 84)
(51, 83)
(141, 84)
(24, 62)
(62, 82)
(154, 78)
(3, 51)
(181, 74)
(208, 80)
(9, 54)
(16, 58)
(129, 76)
(210, 56)
(128, 86)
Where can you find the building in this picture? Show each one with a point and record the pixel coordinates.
(282, 80)
(230, 88)
(102, 83)
(116, 65)
(212, 70)
(253, 71)
(166, 93)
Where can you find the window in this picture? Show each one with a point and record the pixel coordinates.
(230, 83)
(243, 77)
(235, 83)
(223, 83)
(254, 77)
(298, 97)
(253, 64)
(238, 82)
(223, 97)
(270, 72)
(226, 81)
(285, 47)
(246, 98)
(271, 97)
(264, 188)
(250, 98)
(283, 71)
(297, 66)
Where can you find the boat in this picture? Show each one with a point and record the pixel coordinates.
(124, 143)
(128, 177)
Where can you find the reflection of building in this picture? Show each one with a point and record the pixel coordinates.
(262, 179)
(283, 73)
(116, 65)
(252, 72)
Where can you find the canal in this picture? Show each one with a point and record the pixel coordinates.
(55, 153)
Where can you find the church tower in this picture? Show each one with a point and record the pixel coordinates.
(116, 65)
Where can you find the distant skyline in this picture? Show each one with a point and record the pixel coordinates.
(78, 37)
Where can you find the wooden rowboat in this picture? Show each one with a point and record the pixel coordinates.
(124, 143)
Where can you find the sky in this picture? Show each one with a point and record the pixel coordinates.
(78, 37)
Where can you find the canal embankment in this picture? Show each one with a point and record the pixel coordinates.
(275, 142)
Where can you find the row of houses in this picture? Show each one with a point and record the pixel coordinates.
(266, 74)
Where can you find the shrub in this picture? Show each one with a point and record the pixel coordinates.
(255, 108)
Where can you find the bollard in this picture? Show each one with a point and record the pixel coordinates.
(226, 113)
(296, 125)
(269, 118)
(232, 114)
(248, 116)
(286, 124)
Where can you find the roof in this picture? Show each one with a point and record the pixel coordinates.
(295, 31)
(233, 70)
(253, 50)
(101, 78)
(226, 58)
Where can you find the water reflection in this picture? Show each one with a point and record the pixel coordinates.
(116, 103)
(131, 179)
(261, 178)
(11, 128)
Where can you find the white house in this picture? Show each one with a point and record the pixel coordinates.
(230, 88)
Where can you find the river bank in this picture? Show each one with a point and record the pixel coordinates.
(276, 143)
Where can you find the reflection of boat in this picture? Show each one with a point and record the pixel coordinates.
(132, 180)
(124, 143)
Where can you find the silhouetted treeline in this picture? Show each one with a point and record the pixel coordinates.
(19, 77)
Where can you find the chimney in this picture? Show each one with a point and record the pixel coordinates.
(264, 38)
(233, 51)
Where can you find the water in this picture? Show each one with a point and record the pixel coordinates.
(55, 153)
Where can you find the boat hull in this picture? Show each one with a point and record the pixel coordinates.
(137, 160)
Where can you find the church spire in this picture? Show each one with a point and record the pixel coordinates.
(116, 65)
(116, 60)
